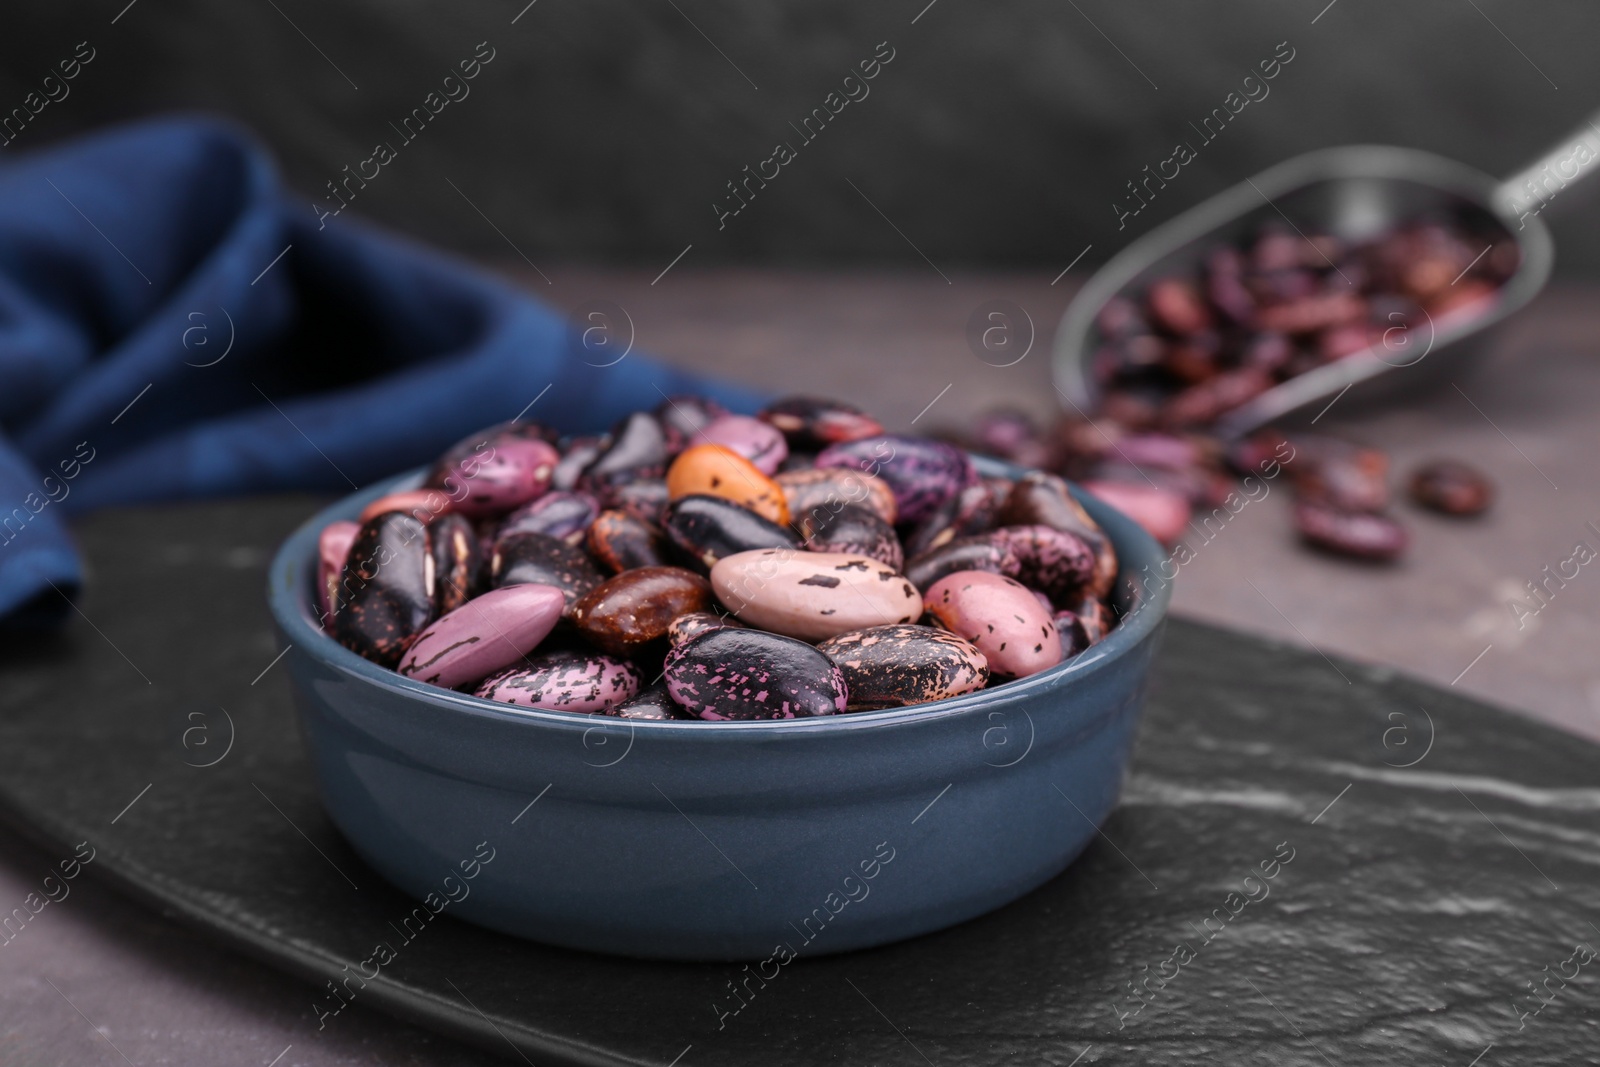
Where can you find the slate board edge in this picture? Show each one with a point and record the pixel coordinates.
(386, 994)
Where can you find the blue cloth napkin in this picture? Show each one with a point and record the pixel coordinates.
(175, 324)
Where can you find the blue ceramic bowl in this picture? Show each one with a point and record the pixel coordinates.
(718, 841)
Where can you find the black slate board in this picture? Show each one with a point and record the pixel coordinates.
(1415, 913)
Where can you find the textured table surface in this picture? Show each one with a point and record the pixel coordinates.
(1313, 859)
(894, 343)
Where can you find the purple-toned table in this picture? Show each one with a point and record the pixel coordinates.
(96, 979)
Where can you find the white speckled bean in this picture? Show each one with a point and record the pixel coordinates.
(813, 595)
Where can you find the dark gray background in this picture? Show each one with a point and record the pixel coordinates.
(1000, 134)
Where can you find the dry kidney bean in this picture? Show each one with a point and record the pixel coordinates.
(759, 442)
(457, 561)
(564, 680)
(892, 666)
(971, 509)
(977, 553)
(1002, 617)
(1340, 475)
(709, 675)
(716, 470)
(1054, 562)
(705, 529)
(452, 651)
(653, 703)
(619, 541)
(853, 530)
(645, 498)
(580, 452)
(545, 560)
(634, 609)
(1042, 499)
(1176, 353)
(692, 624)
(641, 447)
(1350, 533)
(386, 588)
(816, 492)
(494, 473)
(923, 473)
(333, 546)
(686, 416)
(559, 514)
(813, 595)
(500, 590)
(811, 424)
(1451, 487)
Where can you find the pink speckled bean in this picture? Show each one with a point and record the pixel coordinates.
(999, 615)
(505, 472)
(486, 634)
(759, 442)
(564, 681)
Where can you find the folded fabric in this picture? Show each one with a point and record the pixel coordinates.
(174, 324)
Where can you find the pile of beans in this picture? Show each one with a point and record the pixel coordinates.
(1175, 484)
(1178, 356)
(1189, 349)
(696, 564)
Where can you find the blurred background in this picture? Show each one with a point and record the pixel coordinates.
(1000, 134)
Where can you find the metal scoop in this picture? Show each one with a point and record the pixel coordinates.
(1355, 193)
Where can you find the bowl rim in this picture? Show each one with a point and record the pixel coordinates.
(1137, 553)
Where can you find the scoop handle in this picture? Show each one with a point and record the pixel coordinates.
(1533, 188)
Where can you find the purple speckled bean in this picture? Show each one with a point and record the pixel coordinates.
(924, 474)
(759, 442)
(504, 472)
(735, 673)
(690, 625)
(486, 634)
(653, 704)
(564, 681)
(969, 511)
(562, 515)
(1055, 562)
